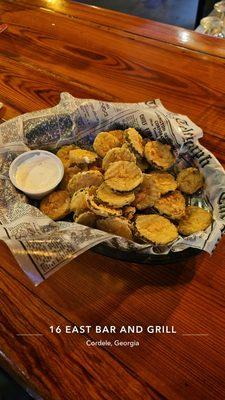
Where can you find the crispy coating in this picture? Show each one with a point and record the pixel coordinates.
(81, 156)
(83, 180)
(56, 205)
(78, 202)
(196, 219)
(117, 200)
(156, 229)
(117, 154)
(159, 155)
(147, 194)
(164, 181)
(120, 135)
(116, 225)
(101, 209)
(103, 142)
(172, 205)
(123, 176)
(68, 174)
(135, 141)
(190, 180)
(129, 212)
(87, 218)
(63, 154)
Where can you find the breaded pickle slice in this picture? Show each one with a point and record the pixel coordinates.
(81, 156)
(135, 141)
(78, 202)
(117, 154)
(84, 179)
(190, 180)
(117, 200)
(171, 205)
(116, 225)
(156, 229)
(147, 194)
(103, 142)
(196, 219)
(123, 176)
(63, 154)
(56, 205)
(159, 155)
(101, 209)
(87, 218)
(68, 174)
(164, 181)
(119, 135)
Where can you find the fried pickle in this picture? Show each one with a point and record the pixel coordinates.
(56, 205)
(103, 142)
(147, 194)
(159, 155)
(135, 141)
(117, 200)
(117, 154)
(196, 219)
(155, 229)
(123, 176)
(68, 174)
(164, 181)
(81, 156)
(84, 179)
(63, 154)
(87, 218)
(117, 225)
(101, 209)
(119, 135)
(78, 202)
(171, 205)
(190, 180)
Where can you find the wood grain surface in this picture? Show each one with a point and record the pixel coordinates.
(50, 47)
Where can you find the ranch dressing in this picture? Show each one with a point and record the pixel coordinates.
(37, 174)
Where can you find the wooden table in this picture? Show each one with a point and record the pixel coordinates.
(55, 46)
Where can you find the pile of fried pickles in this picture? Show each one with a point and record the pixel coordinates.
(126, 185)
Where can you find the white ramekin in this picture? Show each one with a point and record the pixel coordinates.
(24, 157)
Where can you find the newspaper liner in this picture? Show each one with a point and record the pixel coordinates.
(40, 245)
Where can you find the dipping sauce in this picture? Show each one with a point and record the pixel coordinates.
(37, 174)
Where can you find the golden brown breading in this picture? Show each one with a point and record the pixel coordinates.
(117, 225)
(135, 141)
(56, 205)
(84, 179)
(123, 176)
(147, 194)
(117, 200)
(196, 219)
(155, 229)
(129, 212)
(63, 154)
(120, 135)
(159, 155)
(172, 205)
(164, 181)
(87, 218)
(68, 174)
(117, 154)
(78, 202)
(101, 209)
(81, 156)
(190, 180)
(103, 142)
